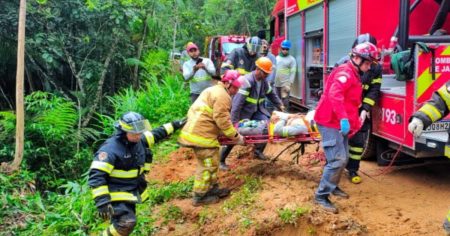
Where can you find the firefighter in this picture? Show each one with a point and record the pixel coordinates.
(371, 81)
(243, 59)
(198, 71)
(248, 103)
(117, 174)
(209, 117)
(285, 75)
(265, 52)
(433, 110)
(337, 118)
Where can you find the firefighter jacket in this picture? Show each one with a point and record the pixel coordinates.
(200, 79)
(341, 99)
(371, 82)
(208, 117)
(436, 108)
(239, 59)
(250, 99)
(117, 172)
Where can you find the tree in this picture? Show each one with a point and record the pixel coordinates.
(18, 156)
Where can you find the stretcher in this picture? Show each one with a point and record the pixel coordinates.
(298, 141)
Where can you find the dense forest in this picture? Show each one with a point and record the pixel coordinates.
(86, 63)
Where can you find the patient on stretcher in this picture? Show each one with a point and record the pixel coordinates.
(283, 124)
(286, 125)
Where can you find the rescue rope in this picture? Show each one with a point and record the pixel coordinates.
(387, 169)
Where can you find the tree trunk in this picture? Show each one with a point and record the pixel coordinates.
(20, 113)
(139, 52)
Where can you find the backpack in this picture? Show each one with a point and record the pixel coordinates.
(403, 62)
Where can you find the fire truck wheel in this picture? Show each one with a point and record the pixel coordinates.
(369, 151)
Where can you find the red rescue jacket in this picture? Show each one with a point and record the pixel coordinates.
(341, 99)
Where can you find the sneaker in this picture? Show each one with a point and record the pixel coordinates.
(354, 177)
(325, 203)
(220, 192)
(223, 166)
(339, 193)
(259, 155)
(203, 200)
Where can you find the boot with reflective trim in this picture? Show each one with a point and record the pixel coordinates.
(325, 203)
(220, 192)
(199, 200)
(354, 177)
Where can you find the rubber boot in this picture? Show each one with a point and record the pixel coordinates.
(223, 166)
(220, 192)
(259, 155)
(354, 177)
(199, 200)
(325, 203)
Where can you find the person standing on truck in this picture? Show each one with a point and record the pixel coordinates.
(248, 103)
(433, 110)
(243, 59)
(209, 117)
(198, 71)
(441, 16)
(265, 52)
(285, 75)
(337, 118)
(371, 81)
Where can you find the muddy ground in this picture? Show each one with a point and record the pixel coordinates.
(408, 200)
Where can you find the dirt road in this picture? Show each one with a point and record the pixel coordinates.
(406, 201)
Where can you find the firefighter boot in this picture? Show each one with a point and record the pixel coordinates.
(325, 203)
(259, 155)
(220, 192)
(203, 199)
(339, 193)
(223, 166)
(354, 177)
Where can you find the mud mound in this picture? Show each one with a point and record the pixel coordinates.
(377, 206)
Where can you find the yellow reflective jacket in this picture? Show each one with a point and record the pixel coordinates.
(208, 117)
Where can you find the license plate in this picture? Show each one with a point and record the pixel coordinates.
(438, 126)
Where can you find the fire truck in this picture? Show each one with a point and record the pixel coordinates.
(218, 47)
(322, 32)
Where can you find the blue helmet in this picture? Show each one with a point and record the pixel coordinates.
(286, 44)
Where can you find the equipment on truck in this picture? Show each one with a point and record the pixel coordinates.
(321, 32)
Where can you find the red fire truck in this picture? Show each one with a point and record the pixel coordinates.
(322, 31)
(218, 47)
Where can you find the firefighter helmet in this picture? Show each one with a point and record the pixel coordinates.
(254, 44)
(232, 77)
(132, 122)
(264, 64)
(286, 44)
(362, 38)
(367, 51)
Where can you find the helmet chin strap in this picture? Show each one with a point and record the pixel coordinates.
(359, 65)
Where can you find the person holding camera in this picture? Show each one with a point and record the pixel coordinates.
(198, 71)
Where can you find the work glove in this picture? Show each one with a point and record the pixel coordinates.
(282, 108)
(178, 124)
(345, 126)
(240, 140)
(105, 211)
(363, 116)
(415, 126)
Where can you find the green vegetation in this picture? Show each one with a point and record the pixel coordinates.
(290, 216)
(87, 62)
(245, 196)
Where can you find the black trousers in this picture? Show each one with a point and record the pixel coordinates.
(356, 145)
(123, 220)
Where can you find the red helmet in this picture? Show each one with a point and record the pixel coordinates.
(367, 51)
(232, 77)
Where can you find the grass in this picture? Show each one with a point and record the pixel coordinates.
(170, 212)
(290, 216)
(245, 197)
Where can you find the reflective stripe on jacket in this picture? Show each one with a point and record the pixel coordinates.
(208, 117)
(239, 59)
(436, 108)
(248, 100)
(118, 170)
